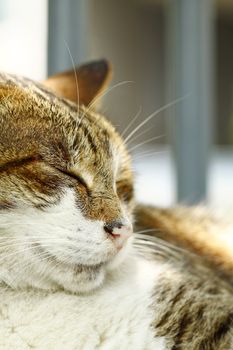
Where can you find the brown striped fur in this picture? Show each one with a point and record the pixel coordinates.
(194, 228)
(38, 131)
(195, 313)
(35, 151)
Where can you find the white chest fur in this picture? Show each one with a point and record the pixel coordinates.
(118, 316)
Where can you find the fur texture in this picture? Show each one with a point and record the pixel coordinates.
(56, 151)
(70, 276)
(117, 316)
(195, 229)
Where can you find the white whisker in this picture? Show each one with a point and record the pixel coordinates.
(3, 258)
(75, 73)
(145, 142)
(168, 105)
(100, 96)
(107, 91)
(138, 135)
(143, 155)
(154, 240)
(45, 256)
(132, 121)
(145, 231)
(41, 241)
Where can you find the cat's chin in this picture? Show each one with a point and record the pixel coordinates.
(82, 279)
(54, 274)
(87, 279)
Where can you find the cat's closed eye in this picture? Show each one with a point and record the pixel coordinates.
(76, 177)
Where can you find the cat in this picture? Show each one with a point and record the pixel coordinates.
(73, 275)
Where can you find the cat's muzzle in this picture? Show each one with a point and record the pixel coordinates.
(119, 231)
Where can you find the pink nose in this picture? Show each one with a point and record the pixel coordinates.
(119, 230)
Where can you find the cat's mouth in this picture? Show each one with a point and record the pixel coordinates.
(77, 264)
(75, 276)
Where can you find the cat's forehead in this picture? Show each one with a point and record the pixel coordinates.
(103, 163)
(61, 130)
(23, 100)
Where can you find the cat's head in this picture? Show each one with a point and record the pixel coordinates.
(66, 188)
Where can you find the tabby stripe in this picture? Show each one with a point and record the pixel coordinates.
(6, 205)
(17, 163)
(90, 139)
(184, 323)
(174, 300)
(38, 197)
(222, 330)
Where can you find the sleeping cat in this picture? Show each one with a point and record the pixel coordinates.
(72, 273)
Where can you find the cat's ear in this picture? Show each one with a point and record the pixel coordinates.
(83, 84)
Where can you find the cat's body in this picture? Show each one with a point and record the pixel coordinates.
(71, 277)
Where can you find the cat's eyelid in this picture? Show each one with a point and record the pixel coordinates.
(86, 176)
(74, 176)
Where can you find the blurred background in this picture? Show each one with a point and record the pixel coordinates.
(174, 62)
